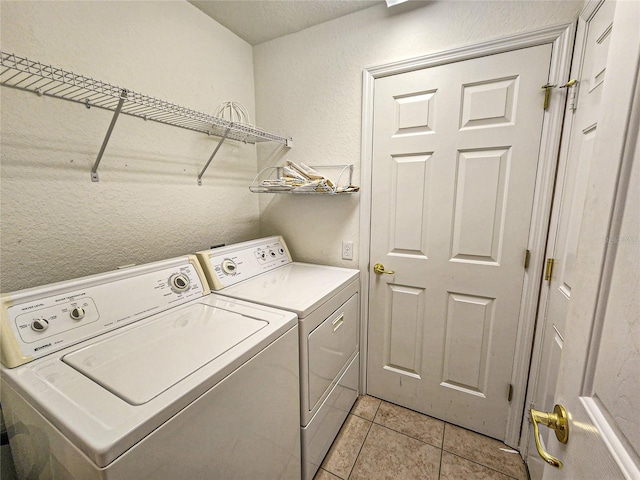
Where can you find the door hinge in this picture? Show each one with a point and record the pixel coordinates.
(547, 94)
(527, 258)
(510, 394)
(572, 91)
(549, 270)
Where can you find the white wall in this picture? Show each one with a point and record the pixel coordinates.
(55, 223)
(309, 86)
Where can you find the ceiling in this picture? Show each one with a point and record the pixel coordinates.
(258, 21)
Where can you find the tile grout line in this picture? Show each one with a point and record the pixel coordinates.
(418, 413)
(440, 464)
(441, 447)
(363, 441)
(481, 464)
(470, 460)
(444, 432)
(410, 436)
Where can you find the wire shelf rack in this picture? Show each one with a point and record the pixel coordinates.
(34, 76)
(341, 181)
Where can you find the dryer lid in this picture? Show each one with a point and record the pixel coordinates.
(297, 287)
(150, 359)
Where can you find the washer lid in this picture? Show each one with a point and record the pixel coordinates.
(297, 287)
(150, 359)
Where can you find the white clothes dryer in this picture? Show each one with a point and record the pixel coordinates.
(142, 373)
(325, 299)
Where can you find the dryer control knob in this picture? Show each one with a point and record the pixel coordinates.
(40, 324)
(77, 313)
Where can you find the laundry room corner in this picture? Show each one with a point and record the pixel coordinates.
(56, 222)
(309, 84)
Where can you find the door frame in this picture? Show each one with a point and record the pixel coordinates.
(561, 38)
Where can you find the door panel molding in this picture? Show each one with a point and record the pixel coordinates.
(465, 367)
(410, 181)
(561, 39)
(478, 230)
(403, 351)
(489, 104)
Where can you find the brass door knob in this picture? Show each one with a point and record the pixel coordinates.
(558, 421)
(379, 269)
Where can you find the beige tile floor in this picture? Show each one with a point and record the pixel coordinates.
(380, 440)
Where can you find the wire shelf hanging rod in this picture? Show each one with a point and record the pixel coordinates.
(138, 109)
(53, 90)
(32, 86)
(63, 93)
(13, 76)
(91, 100)
(165, 116)
(80, 96)
(73, 93)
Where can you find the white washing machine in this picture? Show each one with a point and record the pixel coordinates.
(142, 373)
(325, 299)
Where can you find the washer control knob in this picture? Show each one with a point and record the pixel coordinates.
(179, 282)
(229, 267)
(77, 313)
(40, 324)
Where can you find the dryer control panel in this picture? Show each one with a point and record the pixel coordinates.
(226, 266)
(42, 320)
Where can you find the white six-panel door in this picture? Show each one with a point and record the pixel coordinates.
(583, 109)
(454, 165)
(599, 376)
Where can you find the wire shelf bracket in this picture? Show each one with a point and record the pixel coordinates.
(94, 170)
(24, 74)
(222, 139)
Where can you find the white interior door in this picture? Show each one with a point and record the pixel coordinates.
(455, 152)
(599, 377)
(581, 121)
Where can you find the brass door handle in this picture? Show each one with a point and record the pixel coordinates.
(558, 421)
(379, 269)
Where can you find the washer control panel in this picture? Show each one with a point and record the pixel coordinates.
(46, 319)
(55, 319)
(226, 266)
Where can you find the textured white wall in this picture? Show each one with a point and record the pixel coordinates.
(309, 85)
(55, 223)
